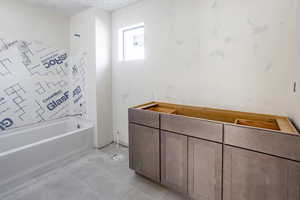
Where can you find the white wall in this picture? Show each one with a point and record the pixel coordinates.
(104, 77)
(94, 27)
(295, 107)
(25, 21)
(229, 54)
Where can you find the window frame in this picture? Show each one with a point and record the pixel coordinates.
(123, 32)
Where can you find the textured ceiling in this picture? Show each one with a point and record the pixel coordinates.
(73, 6)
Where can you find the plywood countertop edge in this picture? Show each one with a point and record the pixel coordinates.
(284, 123)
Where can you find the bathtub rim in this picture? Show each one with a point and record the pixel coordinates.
(21, 130)
(40, 142)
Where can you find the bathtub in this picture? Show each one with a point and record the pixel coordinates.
(28, 152)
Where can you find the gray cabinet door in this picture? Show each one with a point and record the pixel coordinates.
(144, 151)
(254, 176)
(174, 161)
(204, 170)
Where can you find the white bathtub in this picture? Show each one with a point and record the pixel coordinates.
(31, 151)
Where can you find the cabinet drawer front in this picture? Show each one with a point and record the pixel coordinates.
(174, 154)
(144, 151)
(192, 127)
(143, 117)
(274, 143)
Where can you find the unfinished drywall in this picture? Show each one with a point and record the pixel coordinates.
(91, 30)
(294, 106)
(229, 54)
(83, 41)
(104, 77)
(25, 21)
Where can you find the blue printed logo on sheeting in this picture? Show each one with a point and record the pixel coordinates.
(54, 60)
(6, 123)
(55, 103)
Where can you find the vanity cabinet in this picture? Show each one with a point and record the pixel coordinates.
(254, 176)
(215, 154)
(204, 169)
(174, 163)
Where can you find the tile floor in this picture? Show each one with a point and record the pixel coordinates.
(95, 176)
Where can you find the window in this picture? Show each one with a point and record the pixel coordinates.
(131, 46)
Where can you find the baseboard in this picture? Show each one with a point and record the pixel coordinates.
(122, 143)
